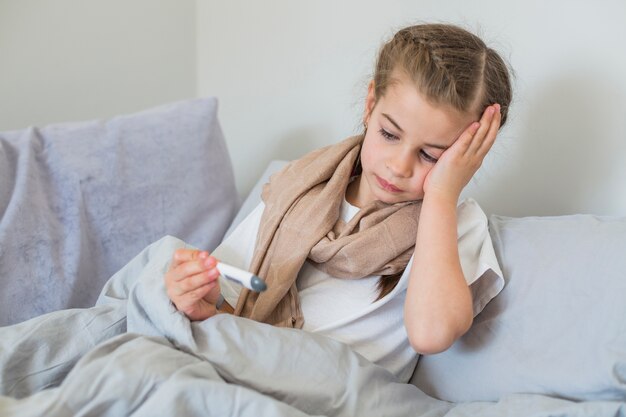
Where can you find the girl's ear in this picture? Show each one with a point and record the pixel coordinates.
(370, 102)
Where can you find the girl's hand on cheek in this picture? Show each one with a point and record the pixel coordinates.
(458, 164)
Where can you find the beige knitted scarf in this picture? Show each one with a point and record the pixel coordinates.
(301, 220)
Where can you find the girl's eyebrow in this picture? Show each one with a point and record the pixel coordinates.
(434, 145)
(430, 145)
(393, 122)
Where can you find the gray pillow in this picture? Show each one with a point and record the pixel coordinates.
(79, 200)
(557, 328)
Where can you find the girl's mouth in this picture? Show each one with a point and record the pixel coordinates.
(387, 186)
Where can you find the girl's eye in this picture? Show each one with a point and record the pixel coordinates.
(387, 135)
(428, 158)
(391, 137)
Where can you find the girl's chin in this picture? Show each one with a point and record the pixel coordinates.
(388, 198)
(396, 198)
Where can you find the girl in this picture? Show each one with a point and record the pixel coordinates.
(363, 240)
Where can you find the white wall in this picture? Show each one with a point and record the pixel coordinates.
(67, 60)
(291, 76)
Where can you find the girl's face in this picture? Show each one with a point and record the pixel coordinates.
(406, 135)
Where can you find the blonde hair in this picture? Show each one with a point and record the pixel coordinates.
(450, 66)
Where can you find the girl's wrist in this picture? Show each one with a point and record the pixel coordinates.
(442, 197)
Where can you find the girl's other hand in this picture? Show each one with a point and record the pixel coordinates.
(458, 164)
(191, 283)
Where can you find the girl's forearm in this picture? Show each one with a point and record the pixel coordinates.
(438, 307)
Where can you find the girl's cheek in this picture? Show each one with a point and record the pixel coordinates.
(367, 155)
(420, 179)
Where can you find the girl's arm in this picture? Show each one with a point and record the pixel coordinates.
(438, 307)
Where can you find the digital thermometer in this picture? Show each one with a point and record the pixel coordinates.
(245, 278)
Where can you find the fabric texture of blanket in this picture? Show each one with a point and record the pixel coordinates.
(134, 354)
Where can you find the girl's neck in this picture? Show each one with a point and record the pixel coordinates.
(352, 192)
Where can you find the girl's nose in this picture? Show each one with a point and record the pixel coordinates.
(400, 166)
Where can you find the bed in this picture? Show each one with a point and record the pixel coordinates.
(88, 329)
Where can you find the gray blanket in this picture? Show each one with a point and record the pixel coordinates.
(134, 354)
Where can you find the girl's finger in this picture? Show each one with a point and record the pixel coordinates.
(196, 281)
(185, 255)
(485, 123)
(186, 270)
(463, 142)
(189, 268)
(196, 295)
(193, 301)
(492, 133)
